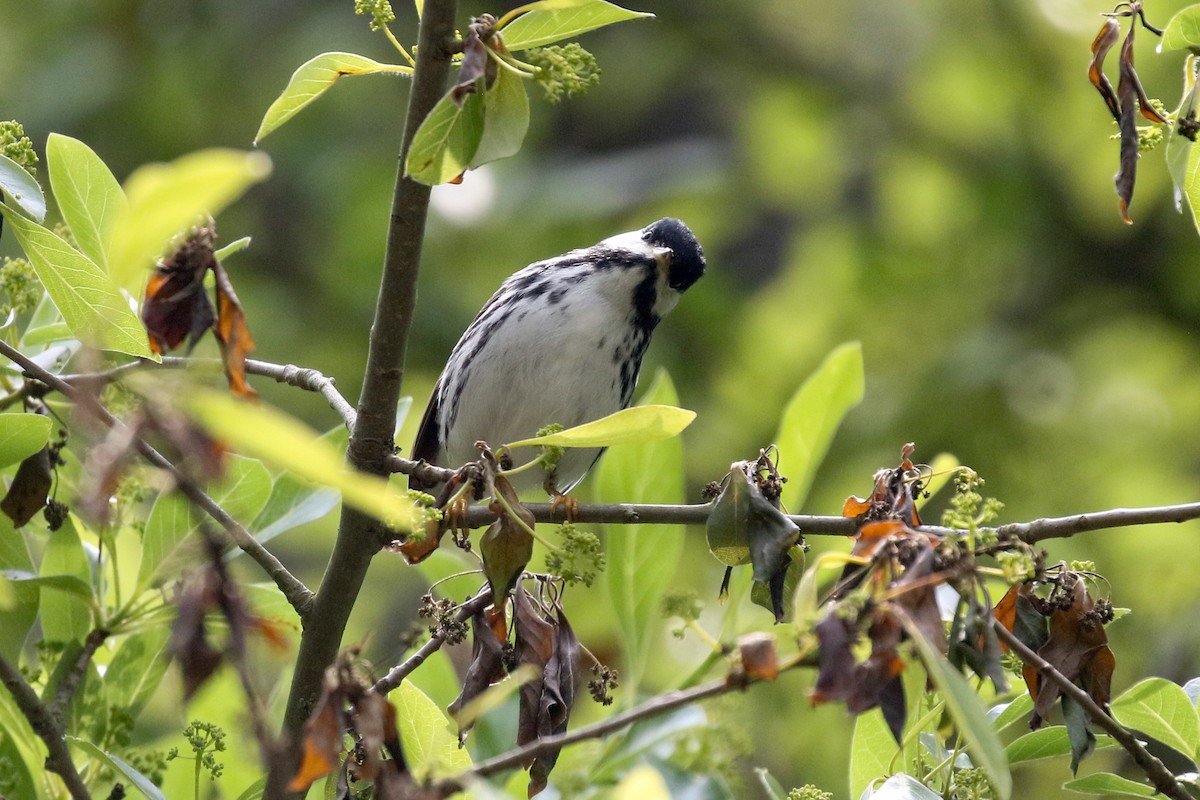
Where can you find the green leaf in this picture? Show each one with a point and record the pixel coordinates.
(30, 749)
(1048, 742)
(16, 620)
(46, 334)
(1160, 708)
(1105, 783)
(1182, 31)
(554, 20)
(312, 78)
(447, 140)
(66, 617)
(20, 187)
(902, 786)
(22, 435)
(642, 558)
(236, 246)
(636, 425)
(743, 526)
(871, 749)
(429, 741)
(1018, 709)
(88, 299)
(1179, 147)
(69, 584)
(18, 778)
(88, 196)
(294, 502)
(812, 417)
(242, 491)
(168, 199)
(285, 442)
(137, 668)
(505, 119)
(140, 781)
(969, 716)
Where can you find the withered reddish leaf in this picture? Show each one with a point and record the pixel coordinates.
(506, 546)
(30, 488)
(233, 334)
(370, 723)
(1005, 612)
(487, 667)
(1103, 42)
(1131, 97)
(196, 656)
(559, 686)
(920, 601)
(855, 506)
(760, 660)
(497, 619)
(176, 307)
(535, 646)
(271, 630)
(416, 550)
(877, 677)
(474, 65)
(871, 535)
(322, 736)
(835, 671)
(1078, 649)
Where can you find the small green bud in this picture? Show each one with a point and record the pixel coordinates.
(380, 11)
(564, 70)
(809, 792)
(579, 558)
(16, 145)
(685, 604)
(20, 283)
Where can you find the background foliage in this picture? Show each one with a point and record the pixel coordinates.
(933, 179)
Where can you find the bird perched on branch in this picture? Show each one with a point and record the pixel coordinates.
(560, 342)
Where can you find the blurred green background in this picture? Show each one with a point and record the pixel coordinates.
(931, 178)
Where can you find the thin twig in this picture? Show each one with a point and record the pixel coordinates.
(1162, 778)
(402, 670)
(293, 589)
(47, 727)
(72, 680)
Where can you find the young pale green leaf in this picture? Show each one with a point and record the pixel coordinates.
(1182, 31)
(1160, 708)
(429, 741)
(1007, 714)
(642, 559)
(242, 491)
(636, 425)
(139, 781)
(88, 299)
(871, 750)
(46, 334)
(66, 617)
(137, 668)
(20, 741)
(447, 140)
(968, 714)
(1109, 785)
(88, 196)
(284, 442)
(312, 78)
(235, 246)
(902, 786)
(18, 779)
(294, 502)
(22, 435)
(812, 417)
(1048, 742)
(553, 20)
(505, 119)
(168, 199)
(20, 187)
(16, 620)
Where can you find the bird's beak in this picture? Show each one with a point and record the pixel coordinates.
(663, 256)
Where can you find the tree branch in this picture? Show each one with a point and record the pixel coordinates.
(293, 589)
(402, 670)
(360, 536)
(1162, 778)
(47, 727)
(72, 680)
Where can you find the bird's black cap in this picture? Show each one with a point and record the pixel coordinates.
(687, 261)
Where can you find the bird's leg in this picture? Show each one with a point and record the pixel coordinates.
(568, 505)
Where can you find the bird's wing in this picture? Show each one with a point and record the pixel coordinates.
(428, 442)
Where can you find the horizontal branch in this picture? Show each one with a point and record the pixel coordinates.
(1162, 778)
(293, 589)
(46, 726)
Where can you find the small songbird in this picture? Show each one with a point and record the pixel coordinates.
(561, 342)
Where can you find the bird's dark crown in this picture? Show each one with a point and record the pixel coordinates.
(687, 260)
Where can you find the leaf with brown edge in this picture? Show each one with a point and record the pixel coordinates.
(855, 506)
(507, 545)
(915, 593)
(322, 741)
(877, 680)
(560, 684)
(1103, 42)
(30, 488)
(1077, 648)
(760, 658)
(487, 667)
(416, 549)
(1131, 98)
(873, 534)
(836, 636)
(176, 307)
(535, 647)
(233, 334)
(892, 496)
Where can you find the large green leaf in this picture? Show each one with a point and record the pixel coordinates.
(16, 620)
(447, 140)
(312, 78)
(812, 417)
(88, 196)
(15, 729)
(505, 119)
(642, 558)
(168, 199)
(427, 736)
(285, 442)
(553, 20)
(136, 669)
(1048, 742)
(1160, 708)
(1109, 785)
(294, 502)
(872, 748)
(88, 299)
(637, 425)
(66, 617)
(21, 188)
(16, 778)
(968, 713)
(22, 435)
(242, 491)
(139, 781)
(1182, 31)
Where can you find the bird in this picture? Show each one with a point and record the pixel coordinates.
(561, 341)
